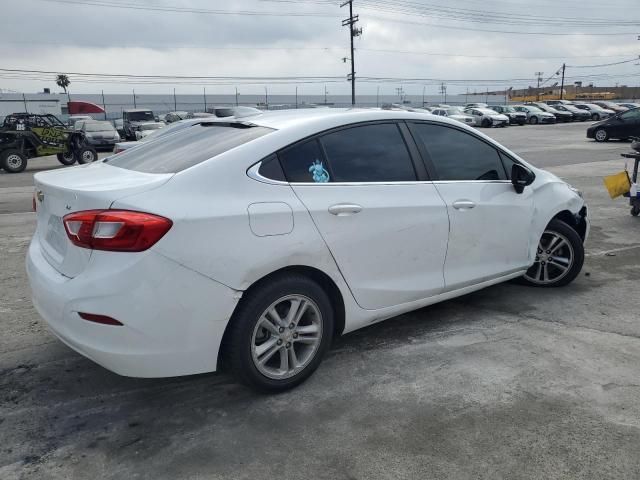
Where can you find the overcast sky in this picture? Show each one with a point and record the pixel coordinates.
(97, 36)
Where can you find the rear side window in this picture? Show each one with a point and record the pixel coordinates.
(174, 153)
(457, 155)
(368, 153)
(304, 162)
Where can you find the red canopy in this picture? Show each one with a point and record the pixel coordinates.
(76, 108)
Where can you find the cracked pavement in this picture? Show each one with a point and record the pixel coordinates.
(509, 382)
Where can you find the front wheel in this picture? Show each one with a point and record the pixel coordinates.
(601, 135)
(66, 158)
(13, 161)
(279, 333)
(559, 257)
(533, 120)
(486, 123)
(86, 155)
(595, 117)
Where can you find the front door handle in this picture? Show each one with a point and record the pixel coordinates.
(463, 204)
(344, 209)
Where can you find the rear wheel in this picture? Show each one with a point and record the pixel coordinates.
(279, 333)
(533, 120)
(13, 161)
(559, 257)
(66, 158)
(595, 116)
(601, 135)
(86, 155)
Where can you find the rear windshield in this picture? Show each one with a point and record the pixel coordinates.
(174, 153)
(98, 127)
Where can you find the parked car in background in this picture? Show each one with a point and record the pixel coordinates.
(617, 108)
(515, 117)
(176, 116)
(630, 105)
(73, 119)
(622, 126)
(553, 103)
(263, 232)
(204, 114)
(535, 115)
(145, 128)
(578, 115)
(454, 114)
(99, 134)
(561, 116)
(133, 118)
(485, 117)
(476, 105)
(596, 111)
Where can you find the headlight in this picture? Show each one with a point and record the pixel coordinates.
(575, 190)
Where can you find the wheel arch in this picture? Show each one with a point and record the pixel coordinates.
(577, 222)
(324, 280)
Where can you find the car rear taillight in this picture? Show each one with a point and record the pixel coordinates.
(115, 230)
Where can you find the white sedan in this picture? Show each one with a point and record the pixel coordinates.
(251, 243)
(454, 113)
(485, 117)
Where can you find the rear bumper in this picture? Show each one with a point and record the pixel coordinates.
(173, 318)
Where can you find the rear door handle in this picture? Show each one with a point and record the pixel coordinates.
(463, 204)
(344, 209)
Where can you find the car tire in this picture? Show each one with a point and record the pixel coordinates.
(13, 161)
(548, 270)
(601, 135)
(533, 120)
(86, 155)
(486, 123)
(259, 347)
(595, 117)
(66, 158)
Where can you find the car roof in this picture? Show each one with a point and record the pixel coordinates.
(137, 110)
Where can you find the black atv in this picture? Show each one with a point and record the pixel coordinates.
(27, 135)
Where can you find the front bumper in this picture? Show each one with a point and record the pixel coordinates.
(173, 318)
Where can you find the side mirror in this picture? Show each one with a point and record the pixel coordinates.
(521, 177)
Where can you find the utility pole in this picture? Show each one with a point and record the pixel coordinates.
(564, 66)
(353, 32)
(325, 94)
(236, 96)
(266, 98)
(377, 96)
(296, 97)
(443, 91)
(204, 95)
(400, 92)
(539, 75)
(423, 89)
(134, 99)
(175, 103)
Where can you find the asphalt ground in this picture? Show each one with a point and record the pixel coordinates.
(507, 383)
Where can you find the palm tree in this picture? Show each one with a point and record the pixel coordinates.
(63, 82)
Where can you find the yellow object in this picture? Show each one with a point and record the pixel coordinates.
(617, 184)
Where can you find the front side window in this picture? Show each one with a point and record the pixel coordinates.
(457, 155)
(368, 153)
(631, 114)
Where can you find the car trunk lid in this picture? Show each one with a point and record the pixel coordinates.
(95, 186)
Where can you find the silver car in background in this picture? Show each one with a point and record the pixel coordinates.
(535, 115)
(485, 117)
(454, 113)
(596, 111)
(101, 135)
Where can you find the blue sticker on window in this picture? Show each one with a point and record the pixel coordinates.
(320, 174)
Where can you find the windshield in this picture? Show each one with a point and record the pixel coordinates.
(175, 153)
(533, 109)
(454, 111)
(487, 111)
(140, 116)
(98, 127)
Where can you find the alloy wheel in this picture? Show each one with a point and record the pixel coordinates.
(286, 337)
(87, 156)
(601, 135)
(554, 259)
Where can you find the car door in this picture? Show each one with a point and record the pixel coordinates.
(625, 125)
(490, 223)
(385, 225)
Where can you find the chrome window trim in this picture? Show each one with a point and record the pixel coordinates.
(252, 172)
